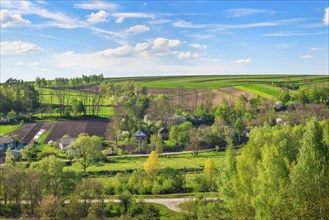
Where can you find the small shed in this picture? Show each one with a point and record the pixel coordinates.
(65, 142)
(141, 136)
(7, 141)
(164, 133)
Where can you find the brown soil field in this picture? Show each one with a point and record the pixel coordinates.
(74, 128)
(237, 92)
(191, 98)
(27, 132)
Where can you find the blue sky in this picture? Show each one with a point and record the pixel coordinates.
(137, 38)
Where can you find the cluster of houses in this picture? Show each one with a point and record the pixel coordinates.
(142, 137)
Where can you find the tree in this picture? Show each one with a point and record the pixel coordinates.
(27, 153)
(152, 165)
(126, 200)
(284, 96)
(159, 144)
(53, 175)
(209, 171)
(10, 159)
(309, 178)
(85, 150)
(156, 142)
(225, 181)
(88, 191)
(50, 208)
(239, 128)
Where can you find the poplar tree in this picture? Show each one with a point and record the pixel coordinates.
(310, 185)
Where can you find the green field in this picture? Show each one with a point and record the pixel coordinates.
(179, 161)
(6, 129)
(214, 82)
(266, 91)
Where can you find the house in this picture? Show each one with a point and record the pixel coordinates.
(164, 133)
(65, 142)
(141, 136)
(7, 141)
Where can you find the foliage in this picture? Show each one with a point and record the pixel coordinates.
(152, 165)
(86, 150)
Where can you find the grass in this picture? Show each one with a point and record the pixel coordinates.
(261, 90)
(7, 129)
(213, 82)
(180, 161)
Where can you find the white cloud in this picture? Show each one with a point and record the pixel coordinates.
(308, 56)
(242, 12)
(137, 29)
(120, 17)
(316, 49)
(160, 43)
(243, 61)
(57, 19)
(185, 55)
(17, 47)
(198, 46)
(185, 24)
(97, 5)
(98, 17)
(159, 21)
(326, 16)
(288, 34)
(8, 19)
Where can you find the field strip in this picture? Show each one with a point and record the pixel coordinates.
(259, 90)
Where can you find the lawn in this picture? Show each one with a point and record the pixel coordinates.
(180, 161)
(6, 129)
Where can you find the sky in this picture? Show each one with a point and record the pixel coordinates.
(143, 38)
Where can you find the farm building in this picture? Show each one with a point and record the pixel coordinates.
(7, 141)
(164, 133)
(141, 136)
(65, 142)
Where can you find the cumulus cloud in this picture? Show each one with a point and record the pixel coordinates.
(159, 47)
(96, 5)
(307, 56)
(243, 61)
(98, 17)
(137, 29)
(8, 19)
(160, 42)
(198, 46)
(120, 17)
(326, 16)
(17, 47)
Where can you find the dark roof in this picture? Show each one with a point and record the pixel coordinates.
(141, 132)
(67, 141)
(162, 130)
(6, 139)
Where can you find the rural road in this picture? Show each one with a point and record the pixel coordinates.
(170, 203)
(162, 154)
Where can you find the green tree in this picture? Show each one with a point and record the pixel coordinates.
(85, 150)
(27, 153)
(225, 181)
(10, 158)
(88, 191)
(309, 178)
(53, 175)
